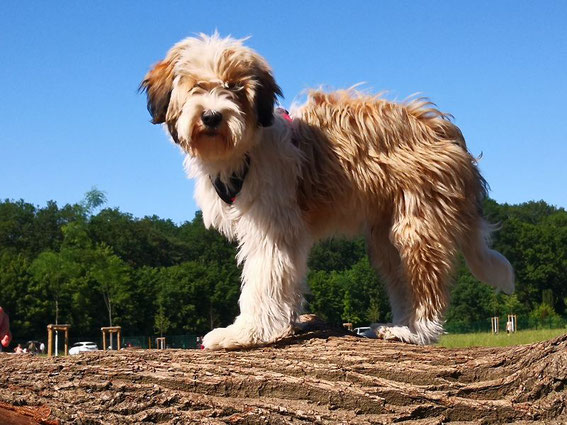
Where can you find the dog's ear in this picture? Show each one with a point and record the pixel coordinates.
(267, 92)
(158, 84)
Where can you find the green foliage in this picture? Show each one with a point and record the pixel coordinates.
(161, 322)
(91, 266)
(336, 254)
(94, 198)
(354, 295)
(471, 301)
(112, 278)
(533, 236)
(545, 314)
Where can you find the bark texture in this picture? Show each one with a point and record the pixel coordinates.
(321, 377)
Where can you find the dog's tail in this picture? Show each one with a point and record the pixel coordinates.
(487, 265)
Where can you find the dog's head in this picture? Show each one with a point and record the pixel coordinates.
(213, 93)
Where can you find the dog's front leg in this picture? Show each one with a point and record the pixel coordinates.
(272, 290)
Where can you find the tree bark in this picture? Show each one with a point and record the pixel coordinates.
(321, 377)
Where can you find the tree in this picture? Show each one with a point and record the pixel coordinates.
(111, 276)
(15, 281)
(544, 315)
(145, 287)
(16, 227)
(374, 312)
(161, 322)
(206, 245)
(197, 297)
(336, 254)
(471, 303)
(326, 298)
(51, 271)
(355, 295)
(372, 299)
(94, 198)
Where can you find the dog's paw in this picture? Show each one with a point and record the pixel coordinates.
(428, 335)
(242, 335)
(308, 323)
(387, 333)
(226, 338)
(391, 332)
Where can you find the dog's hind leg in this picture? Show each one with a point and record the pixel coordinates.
(423, 236)
(385, 259)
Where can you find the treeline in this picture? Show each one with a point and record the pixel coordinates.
(91, 267)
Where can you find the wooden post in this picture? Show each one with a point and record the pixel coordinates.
(111, 330)
(66, 341)
(160, 343)
(513, 320)
(49, 341)
(495, 322)
(50, 330)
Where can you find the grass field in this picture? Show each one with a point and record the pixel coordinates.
(498, 340)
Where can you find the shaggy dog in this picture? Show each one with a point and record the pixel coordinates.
(346, 163)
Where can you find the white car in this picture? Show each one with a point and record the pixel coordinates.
(362, 330)
(82, 347)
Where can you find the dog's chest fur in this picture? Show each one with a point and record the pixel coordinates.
(267, 202)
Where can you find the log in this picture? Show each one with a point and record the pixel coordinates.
(320, 377)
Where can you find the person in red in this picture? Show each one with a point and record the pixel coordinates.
(5, 335)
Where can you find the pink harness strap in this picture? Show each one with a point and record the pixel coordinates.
(284, 114)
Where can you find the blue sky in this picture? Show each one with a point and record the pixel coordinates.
(71, 117)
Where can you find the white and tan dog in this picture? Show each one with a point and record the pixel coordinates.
(347, 163)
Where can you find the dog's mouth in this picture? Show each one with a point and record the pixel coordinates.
(208, 143)
(204, 132)
(210, 133)
(208, 136)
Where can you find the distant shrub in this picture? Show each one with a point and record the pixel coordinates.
(545, 316)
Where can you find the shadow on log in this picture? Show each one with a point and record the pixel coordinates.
(323, 376)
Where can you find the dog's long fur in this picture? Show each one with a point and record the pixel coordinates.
(348, 163)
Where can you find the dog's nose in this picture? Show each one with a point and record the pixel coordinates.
(211, 118)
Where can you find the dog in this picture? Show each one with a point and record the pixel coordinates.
(345, 163)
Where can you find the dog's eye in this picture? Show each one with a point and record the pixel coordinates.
(197, 87)
(232, 86)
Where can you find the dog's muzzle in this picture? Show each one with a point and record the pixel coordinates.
(211, 119)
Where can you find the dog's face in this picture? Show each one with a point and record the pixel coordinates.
(213, 94)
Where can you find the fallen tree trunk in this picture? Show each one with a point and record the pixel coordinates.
(320, 377)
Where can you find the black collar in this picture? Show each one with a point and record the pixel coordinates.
(228, 193)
